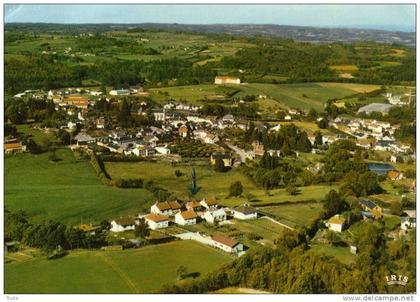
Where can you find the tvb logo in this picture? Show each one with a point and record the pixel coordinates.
(396, 279)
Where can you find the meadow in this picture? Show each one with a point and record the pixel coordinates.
(67, 190)
(142, 270)
(301, 96)
(210, 182)
(296, 214)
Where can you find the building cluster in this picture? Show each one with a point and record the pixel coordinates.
(163, 214)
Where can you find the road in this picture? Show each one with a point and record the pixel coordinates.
(240, 152)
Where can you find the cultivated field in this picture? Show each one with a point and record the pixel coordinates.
(142, 270)
(302, 96)
(67, 190)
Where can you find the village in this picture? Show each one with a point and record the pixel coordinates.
(176, 123)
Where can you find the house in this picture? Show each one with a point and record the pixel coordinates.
(80, 102)
(194, 205)
(186, 218)
(120, 92)
(163, 150)
(156, 221)
(370, 206)
(215, 216)
(336, 223)
(225, 157)
(244, 212)
(220, 80)
(123, 224)
(166, 208)
(209, 204)
(258, 148)
(183, 131)
(228, 118)
(14, 147)
(82, 138)
(227, 244)
(159, 115)
(395, 175)
(408, 220)
(100, 123)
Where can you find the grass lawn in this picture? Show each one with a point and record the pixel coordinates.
(298, 214)
(39, 136)
(262, 227)
(67, 190)
(339, 252)
(142, 270)
(211, 183)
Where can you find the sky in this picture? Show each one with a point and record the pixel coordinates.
(378, 16)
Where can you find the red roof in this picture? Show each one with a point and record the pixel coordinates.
(225, 240)
(156, 218)
(190, 214)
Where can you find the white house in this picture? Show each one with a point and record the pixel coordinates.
(165, 208)
(408, 220)
(244, 213)
(186, 218)
(156, 222)
(227, 244)
(123, 224)
(336, 223)
(216, 215)
(163, 150)
(209, 203)
(226, 80)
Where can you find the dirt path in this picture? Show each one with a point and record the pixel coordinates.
(120, 272)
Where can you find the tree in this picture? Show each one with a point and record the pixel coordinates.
(64, 136)
(181, 272)
(318, 139)
(333, 203)
(323, 123)
(178, 173)
(124, 116)
(142, 230)
(312, 114)
(396, 208)
(105, 225)
(52, 156)
(236, 189)
(219, 165)
(291, 189)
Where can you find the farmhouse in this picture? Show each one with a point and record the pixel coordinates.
(120, 92)
(258, 148)
(123, 224)
(408, 220)
(225, 157)
(165, 208)
(194, 205)
(220, 80)
(209, 203)
(227, 244)
(395, 175)
(82, 138)
(186, 218)
(81, 102)
(157, 221)
(370, 206)
(336, 223)
(14, 147)
(244, 212)
(215, 216)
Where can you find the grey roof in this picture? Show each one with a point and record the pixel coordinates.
(368, 203)
(246, 210)
(375, 107)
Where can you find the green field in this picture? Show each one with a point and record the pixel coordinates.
(211, 183)
(67, 190)
(297, 214)
(340, 253)
(302, 96)
(142, 270)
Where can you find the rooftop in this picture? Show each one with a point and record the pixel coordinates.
(225, 240)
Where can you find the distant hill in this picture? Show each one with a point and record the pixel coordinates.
(299, 33)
